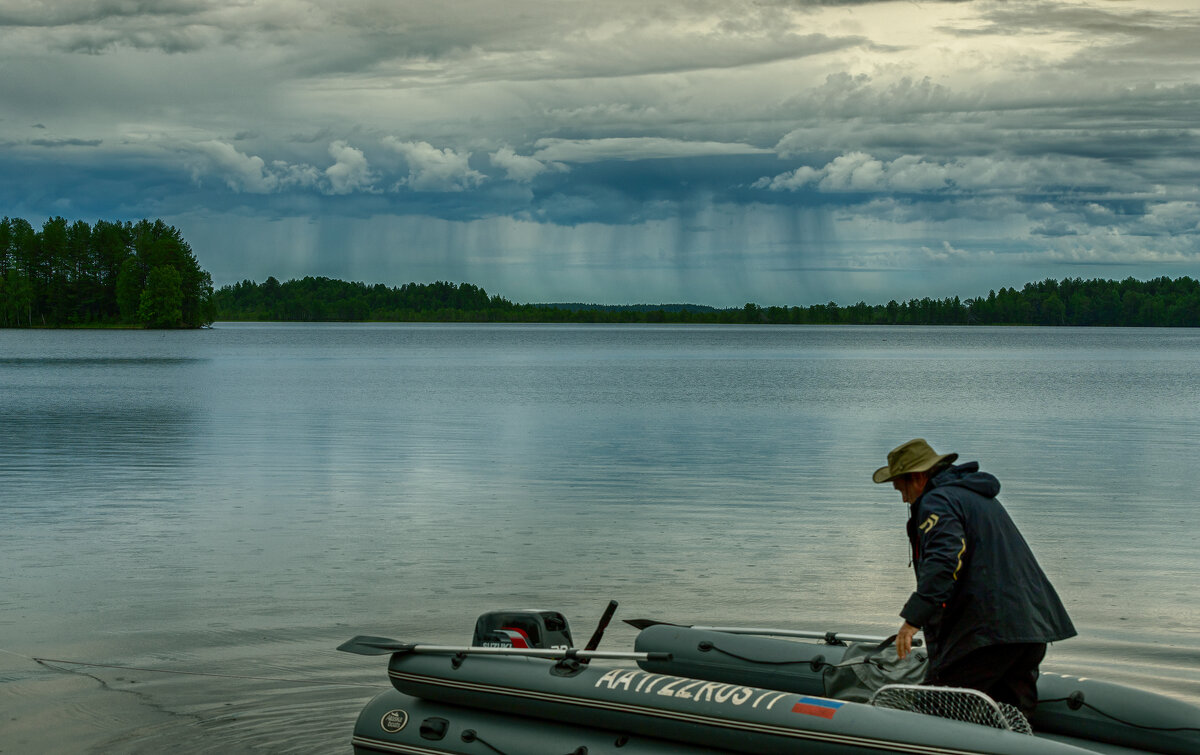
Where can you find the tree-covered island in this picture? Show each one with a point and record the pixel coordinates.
(111, 274)
(145, 275)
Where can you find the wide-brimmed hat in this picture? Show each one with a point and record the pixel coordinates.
(913, 456)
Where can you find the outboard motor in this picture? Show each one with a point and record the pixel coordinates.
(522, 629)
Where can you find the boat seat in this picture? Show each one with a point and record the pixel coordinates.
(957, 703)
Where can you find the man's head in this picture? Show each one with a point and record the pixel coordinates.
(909, 467)
(911, 485)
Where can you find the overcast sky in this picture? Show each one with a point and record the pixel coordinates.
(620, 151)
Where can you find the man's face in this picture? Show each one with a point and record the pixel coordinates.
(910, 486)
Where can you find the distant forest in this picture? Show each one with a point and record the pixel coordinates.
(111, 274)
(1162, 302)
(144, 274)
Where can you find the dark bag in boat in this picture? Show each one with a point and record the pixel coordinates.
(866, 667)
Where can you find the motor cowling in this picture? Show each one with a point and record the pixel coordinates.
(527, 628)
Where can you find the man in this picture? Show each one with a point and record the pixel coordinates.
(985, 605)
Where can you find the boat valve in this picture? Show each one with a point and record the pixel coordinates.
(705, 646)
(1075, 700)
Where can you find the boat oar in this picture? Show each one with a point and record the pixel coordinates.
(640, 624)
(367, 645)
(830, 638)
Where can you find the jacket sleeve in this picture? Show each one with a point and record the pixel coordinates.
(943, 547)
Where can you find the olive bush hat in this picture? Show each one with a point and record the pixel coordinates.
(913, 456)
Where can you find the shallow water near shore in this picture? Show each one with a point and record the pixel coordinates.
(240, 500)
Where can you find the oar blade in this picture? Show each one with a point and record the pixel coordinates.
(640, 624)
(367, 645)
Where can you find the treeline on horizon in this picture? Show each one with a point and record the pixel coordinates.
(144, 275)
(1161, 302)
(111, 274)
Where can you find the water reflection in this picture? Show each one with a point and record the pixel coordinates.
(81, 457)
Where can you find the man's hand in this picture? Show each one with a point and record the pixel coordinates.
(904, 639)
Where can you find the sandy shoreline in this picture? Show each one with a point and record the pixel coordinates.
(57, 711)
(127, 711)
(48, 710)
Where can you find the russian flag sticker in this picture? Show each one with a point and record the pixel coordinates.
(817, 706)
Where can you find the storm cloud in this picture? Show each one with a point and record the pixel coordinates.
(780, 152)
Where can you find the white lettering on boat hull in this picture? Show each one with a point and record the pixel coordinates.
(681, 688)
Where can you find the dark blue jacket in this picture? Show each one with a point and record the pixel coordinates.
(978, 582)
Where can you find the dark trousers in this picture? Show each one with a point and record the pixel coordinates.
(1006, 673)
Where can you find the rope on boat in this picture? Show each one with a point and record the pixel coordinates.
(1086, 704)
(470, 735)
(818, 663)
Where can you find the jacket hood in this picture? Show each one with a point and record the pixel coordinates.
(968, 476)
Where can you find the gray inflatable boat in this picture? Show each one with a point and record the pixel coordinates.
(522, 688)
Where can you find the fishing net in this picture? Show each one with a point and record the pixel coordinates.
(954, 703)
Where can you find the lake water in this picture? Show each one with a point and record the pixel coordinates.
(242, 499)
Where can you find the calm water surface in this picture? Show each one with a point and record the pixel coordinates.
(242, 499)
